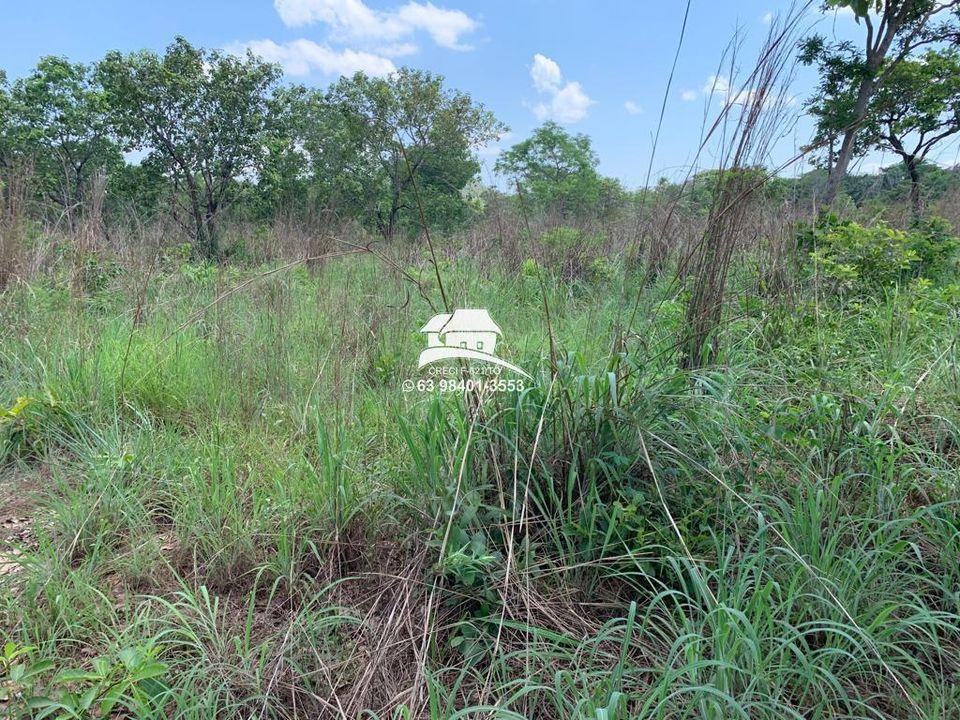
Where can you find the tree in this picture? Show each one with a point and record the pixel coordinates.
(917, 107)
(555, 169)
(284, 171)
(850, 77)
(139, 189)
(58, 121)
(310, 157)
(401, 143)
(201, 115)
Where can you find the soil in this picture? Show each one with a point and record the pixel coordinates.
(17, 511)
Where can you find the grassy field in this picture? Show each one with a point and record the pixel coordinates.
(219, 502)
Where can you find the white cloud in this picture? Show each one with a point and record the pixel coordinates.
(444, 26)
(398, 49)
(767, 18)
(718, 84)
(568, 105)
(633, 108)
(688, 95)
(545, 73)
(567, 102)
(301, 57)
(354, 20)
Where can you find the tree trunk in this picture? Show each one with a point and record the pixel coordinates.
(202, 220)
(875, 54)
(211, 247)
(842, 161)
(911, 161)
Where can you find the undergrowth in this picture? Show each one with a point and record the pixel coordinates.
(239, 513)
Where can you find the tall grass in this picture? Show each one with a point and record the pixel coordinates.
(250, 498)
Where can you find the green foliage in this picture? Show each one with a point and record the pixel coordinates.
(557, 171)
(562, 239)
(59, 120)
(571, 252)
(853, 81)
(701, 192)
(201, 115)
(874, 257)
(255, 499)
(530, 269)
(6, 142)
(235, 511)
(916, 108)
(306, 153)
(877, 257)
(19, 671)
(920, 96)
(23, 427)
(405, 142)
(129, 682)
(935, 242)
(138, 190)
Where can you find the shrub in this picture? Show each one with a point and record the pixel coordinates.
(530, 268)
(867, 259)
(563, 239)
(601, 270)
(570, 250)
(23, 427)
(935, 243)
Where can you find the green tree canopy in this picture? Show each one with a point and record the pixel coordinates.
(312, 157)
(5, 141)
(394, 144)
(58, 120)
(285, 166)
(556, 170)
(917, 108)
(203, 118)
(850, 76)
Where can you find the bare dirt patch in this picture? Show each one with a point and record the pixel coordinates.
(17, 512)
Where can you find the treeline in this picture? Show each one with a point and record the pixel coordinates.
(891, 188)
(202, 136)
(198, 134)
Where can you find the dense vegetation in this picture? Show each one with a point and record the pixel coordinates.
(729, 488)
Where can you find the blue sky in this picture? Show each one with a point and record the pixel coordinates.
(597, 67)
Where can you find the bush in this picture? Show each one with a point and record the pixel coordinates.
(935, 243)
(570, 250)
(867, 259)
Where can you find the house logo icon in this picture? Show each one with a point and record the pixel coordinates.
(468, 333)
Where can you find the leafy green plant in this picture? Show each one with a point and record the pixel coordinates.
(22, 426)
(853, 256)
(131, 681)
(19, 671)
(935, 242)
(870, 258)
(571, 250)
